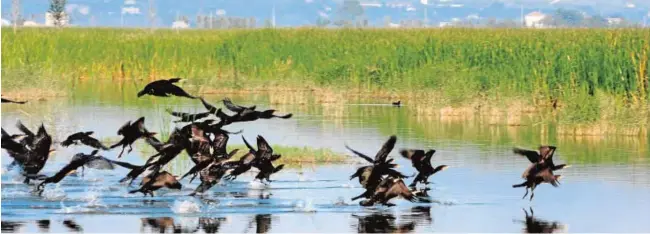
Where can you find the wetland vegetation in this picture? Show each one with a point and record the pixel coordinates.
(595, 83)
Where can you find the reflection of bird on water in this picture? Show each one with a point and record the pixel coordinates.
(162, 224)
(72, 225)
(43, 225)
(419, 214)
(211, 225)
(381, 223)
(534, 225)
(10, 226)
(262, 223)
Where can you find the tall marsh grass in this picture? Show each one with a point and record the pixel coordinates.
(578, 70)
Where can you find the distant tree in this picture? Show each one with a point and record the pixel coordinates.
(595, 22)
(348, 12)
(568, 18)
(322, 22)
(57, 10)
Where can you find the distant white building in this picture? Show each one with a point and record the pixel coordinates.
(535, 20)
(614, 21)
(444, 24)
(6, 22)
(180, 24)
(49, 19)
(31, 23)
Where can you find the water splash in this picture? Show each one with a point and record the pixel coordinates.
(54, 194)
(186, 206)
(257, 185)
(306, 205)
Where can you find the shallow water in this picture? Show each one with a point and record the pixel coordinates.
(607, 189)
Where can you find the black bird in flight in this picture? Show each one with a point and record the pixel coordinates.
(264, 158)
(83, 138)
(78, 161)
(157, 180)
(187, 117)
(370, 176)
(541, 169)
(38, 151)
(422, 163)
(164, 88)
(4, 100)
(131, 132)
(389, 188)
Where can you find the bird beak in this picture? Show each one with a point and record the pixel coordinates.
(567, 166)
(52, 151)
(141, 93)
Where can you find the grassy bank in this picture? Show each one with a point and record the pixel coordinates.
(576, 76)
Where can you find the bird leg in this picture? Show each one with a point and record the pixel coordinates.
(121, 152)
(82, 171)
(130, 149)
(526, 194)
(532, 192)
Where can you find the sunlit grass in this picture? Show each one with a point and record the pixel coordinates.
(597, 75)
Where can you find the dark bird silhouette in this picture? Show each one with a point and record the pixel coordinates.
(371, 176)
(236, 108)
(164, 88)
(4, 100)
(535, 225)
(543, 155)
(263, 159)
(155, 181)
(72, 225)
(535, 175)
(12, 145)
(38, 152)
(397, 103)
(77, 161)
(242, 114)
(388, 189)
(541, 169)
(209, 176)
(131, 132)
(83, 138)
(236, 168)
(422, 163)
(187, 117)
(382, 223)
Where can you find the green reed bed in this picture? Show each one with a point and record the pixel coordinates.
(579, 70)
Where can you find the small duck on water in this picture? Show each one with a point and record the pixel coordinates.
(397, 103)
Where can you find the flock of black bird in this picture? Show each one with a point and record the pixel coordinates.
(205, 142)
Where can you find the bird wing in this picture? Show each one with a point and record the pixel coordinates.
(220, 141)
(92, 142)
(263, 146)
(546, 152)
(247, 158)
(174, 80)
(140, 124)
(155, 143)
(178, 114)
(124, 164)
(124, 127)
(369, 159)
(24, 129)
(210, 108)
(385, 150)
(250, 148)
(532, 156)
(231, 106)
